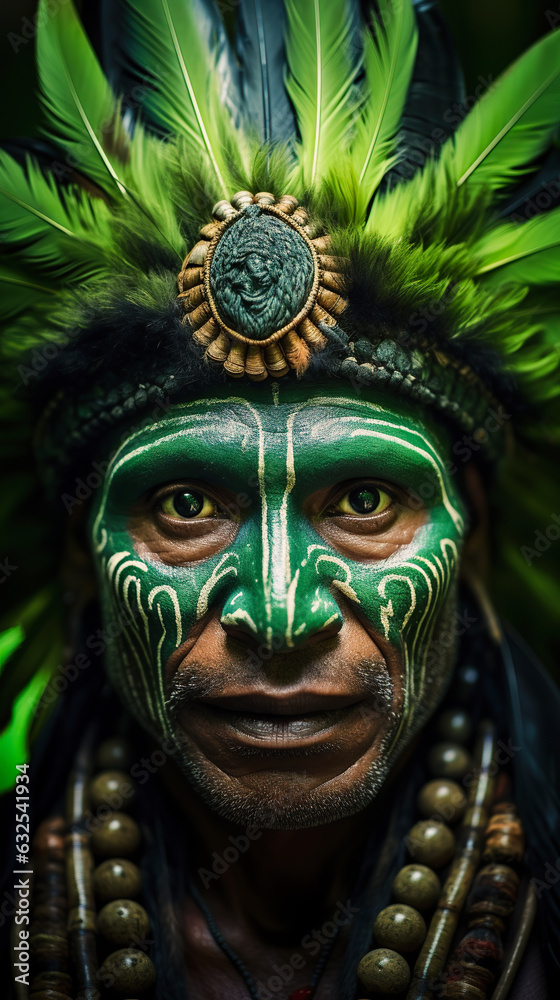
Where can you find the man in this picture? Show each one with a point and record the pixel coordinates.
(272, 386)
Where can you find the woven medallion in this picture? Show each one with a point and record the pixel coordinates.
(258, 284)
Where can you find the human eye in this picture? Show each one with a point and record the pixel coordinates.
(187, 504)
(364, 499)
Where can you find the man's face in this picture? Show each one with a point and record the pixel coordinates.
(288, 596)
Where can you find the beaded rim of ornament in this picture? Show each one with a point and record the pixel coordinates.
(287, 348)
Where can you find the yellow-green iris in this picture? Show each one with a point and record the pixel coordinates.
(187, 505)
(363, 499)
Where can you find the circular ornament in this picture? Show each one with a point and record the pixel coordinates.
(400, 927)
(417, 886)
(258, 284)
(384, 971)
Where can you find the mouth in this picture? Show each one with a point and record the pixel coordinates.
(278, 720)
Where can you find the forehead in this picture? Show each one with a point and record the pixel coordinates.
(307, 415)
(276, 435)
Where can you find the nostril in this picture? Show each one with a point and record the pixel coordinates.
(329, 631)
(242, 633)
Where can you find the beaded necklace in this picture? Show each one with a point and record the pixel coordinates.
(89, 930)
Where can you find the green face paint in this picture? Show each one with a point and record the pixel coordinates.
(283, 573)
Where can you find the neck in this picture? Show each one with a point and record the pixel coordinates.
(280, 882)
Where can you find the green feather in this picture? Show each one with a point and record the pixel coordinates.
(323, 64)
(18, 292)
(82, 114)
(389, 61)
(61, 232)
(513, 123)
(526, 253)
(182, 96)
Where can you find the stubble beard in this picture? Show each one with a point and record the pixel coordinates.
(278, 804)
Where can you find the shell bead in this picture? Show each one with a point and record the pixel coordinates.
(264, 198)
(505, 841)
(399, 927)
(241, 199)
(494, 891)
(442, 798)
(449, 760)
(384, 971)
(219, 348)
(468, 982)
(288, 204)
(117, 878)
(431, 843)
(208, 232)
(235, 361)
(130, 970)
(417, 886)
(255, 366)
(223, 210)
(123, 923)
(118, 834)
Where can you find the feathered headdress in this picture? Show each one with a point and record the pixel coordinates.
(443, 249)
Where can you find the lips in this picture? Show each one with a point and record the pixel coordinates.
(277, 720)
(294, 703)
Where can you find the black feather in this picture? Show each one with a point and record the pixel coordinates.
(437, 86)
(261, 53)
(539, 193)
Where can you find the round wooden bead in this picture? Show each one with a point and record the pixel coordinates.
(384, 971)
(400, 927)
(417, 886)
(449, 760)
(123, 923)
(442, 798)
(117, 879)
(431, 843)
(118, 834)
(114, 753)
(112, 788)
(129, 971)
(454, 724)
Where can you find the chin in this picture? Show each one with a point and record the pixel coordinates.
(288, 799)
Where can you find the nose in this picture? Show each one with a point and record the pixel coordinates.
(282, 596)
(248, 632)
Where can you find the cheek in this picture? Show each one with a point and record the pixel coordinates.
(403, 596)
(176, 547)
